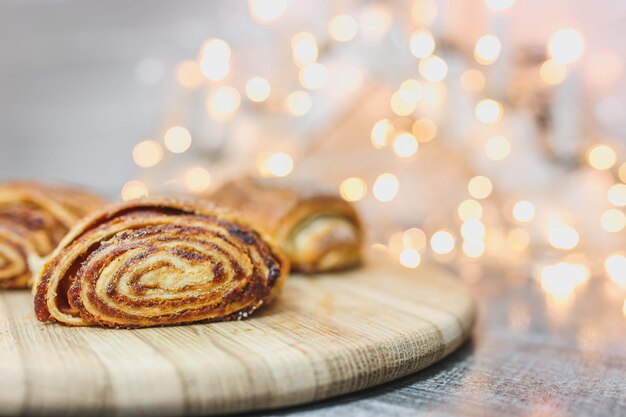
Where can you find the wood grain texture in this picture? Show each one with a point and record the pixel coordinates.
(326, 336)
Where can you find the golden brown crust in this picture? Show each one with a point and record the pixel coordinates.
(318, 231)
(34, 217)
(159, 261)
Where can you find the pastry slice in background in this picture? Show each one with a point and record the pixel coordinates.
(159, 261)
(319, 231)
(34, 217)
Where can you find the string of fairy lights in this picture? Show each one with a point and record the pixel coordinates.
(416, 119)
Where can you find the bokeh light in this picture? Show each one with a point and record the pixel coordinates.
(223, 103)
(613, 220)
(410, 258)
(498, 148)
(343, 28)
(304, 48)
(488, 111)
(177, 139)
(422, 43)
(197, 179)
(523, 211)
(353, 189)
(279, 164)
(617, 195)
(266, 11)
(470, 210)
(566, 46)
(479, 187)
(381, 132)
(442, 242)
(298, 103)
(133, 190)
(405, 145)
(147, 154)
(386, 187)
(433, 68)
(313, 76)
(601, 157)
(487, 49)
(258, 89)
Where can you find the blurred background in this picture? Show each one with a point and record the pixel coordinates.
(475, 133)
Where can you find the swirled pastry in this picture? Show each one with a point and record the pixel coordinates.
(34, 217)
(318, 231)
(156, 262)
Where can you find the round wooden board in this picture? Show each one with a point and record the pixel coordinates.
(326, 335)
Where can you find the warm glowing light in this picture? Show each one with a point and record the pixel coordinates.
(133, 190)
(473, 230)
(177, 139)
(313, 76)
(403, 102)
(561, 280)
(223, 103)
(487, 49)
(422, 43)
(566, 46)
(298, 103)
(216, 50)
(433, 68)
(442, 242)
(386, 187)
(524, 211)
(622, 172)
(342, 28)
(353, 189)
(552, 72)
(258, 89)
(304, 48)
(147, 153)
(214, 61)
(424, 12)
(413, 87)
(518, 239)
(473, 248)
(188, 74)
(405, 145)
(563, 237)
(279, 164)
(424, 130)
(601, 157)
(414, 238)
(479, 187)
(472, 80)
(617, 195)
(410, 258)
(470, 210)
(265, 11)
(197, 179)
(499, 4)
(615, 266)
(498, 148)
(375, 20)
(489, 111)
(613, 220)
(381, 131)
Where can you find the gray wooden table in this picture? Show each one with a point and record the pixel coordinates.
(529, 356)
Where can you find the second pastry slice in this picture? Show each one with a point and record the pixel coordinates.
(319, 231)
(157, 262)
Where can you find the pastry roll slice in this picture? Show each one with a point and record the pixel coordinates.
(155, 262)
(34, 217)
(318, 231)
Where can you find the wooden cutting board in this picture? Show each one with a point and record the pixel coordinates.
(326, 335)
